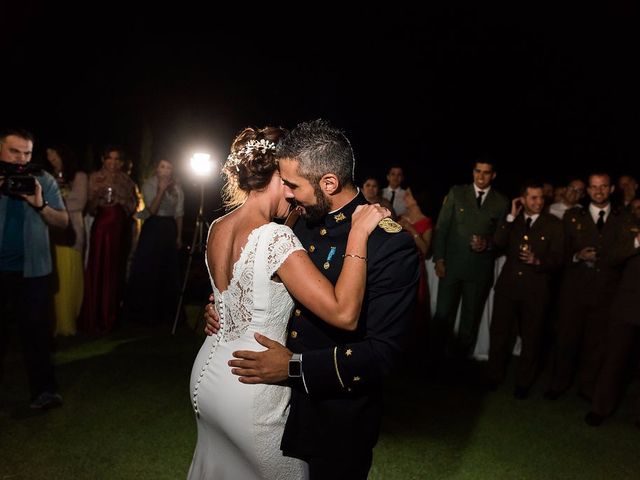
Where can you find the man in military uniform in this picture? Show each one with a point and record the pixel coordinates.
(623, 331)
(533, 242)
(336, 375)
(588, 287)
(464, 257)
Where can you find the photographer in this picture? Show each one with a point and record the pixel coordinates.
(30, 202)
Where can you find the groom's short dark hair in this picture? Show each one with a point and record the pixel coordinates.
(319, 149)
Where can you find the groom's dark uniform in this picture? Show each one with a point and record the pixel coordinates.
(336, 408)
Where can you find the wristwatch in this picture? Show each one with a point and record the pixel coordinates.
(41, 207)
(295, 365)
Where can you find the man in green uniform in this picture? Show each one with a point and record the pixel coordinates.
(464, 258)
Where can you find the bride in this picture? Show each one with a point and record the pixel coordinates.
(256, 266)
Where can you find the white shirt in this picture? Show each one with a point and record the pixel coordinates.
(595, 212)
(484, 196)
(534, 217)
(559, 208)
(398, 204)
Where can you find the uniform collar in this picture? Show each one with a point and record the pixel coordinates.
(533, 217)
(485, 190)
(343, 215)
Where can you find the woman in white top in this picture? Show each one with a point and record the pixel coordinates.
(152, 292)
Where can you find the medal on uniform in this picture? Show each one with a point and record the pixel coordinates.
(327, 263)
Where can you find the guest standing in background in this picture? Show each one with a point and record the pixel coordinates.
(112, 199)
(533, 242)
(420, 227)
(627, 190)
(153, 286)
(394, 192)
(573, 193)
(464, 258)
(68, 244)
(371, 191)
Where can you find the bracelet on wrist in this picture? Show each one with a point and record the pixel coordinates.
(354, 256)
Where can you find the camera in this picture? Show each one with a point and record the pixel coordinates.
(19, 185)
(18, 179)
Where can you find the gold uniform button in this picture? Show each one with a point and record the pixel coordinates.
(297, 312)
(323, 231)
(519, 274)
(312, 248)
(294, 334)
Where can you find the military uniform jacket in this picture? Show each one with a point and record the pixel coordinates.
(459, 219)
(595, 283)
(518, 280)
(343, 371)
(627, 299)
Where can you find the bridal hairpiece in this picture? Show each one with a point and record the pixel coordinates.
(263, 146)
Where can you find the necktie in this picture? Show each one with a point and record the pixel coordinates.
(527, 227)
(393, 197)
(600, 222)
(479, 198)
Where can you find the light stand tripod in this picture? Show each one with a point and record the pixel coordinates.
(197, 244)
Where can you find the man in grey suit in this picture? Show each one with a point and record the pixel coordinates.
(464, 258)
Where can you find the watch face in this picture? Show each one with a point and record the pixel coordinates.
(295, 368)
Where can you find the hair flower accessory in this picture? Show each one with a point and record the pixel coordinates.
(263, 146)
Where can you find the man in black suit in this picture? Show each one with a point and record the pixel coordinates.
(589, 284)
(533, 242)
(336, 376)
(624, 329)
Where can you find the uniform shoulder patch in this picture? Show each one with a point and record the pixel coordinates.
(389, 225)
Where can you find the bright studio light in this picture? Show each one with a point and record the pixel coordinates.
(201, 164)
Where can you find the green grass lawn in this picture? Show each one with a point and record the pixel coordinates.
(127, 416)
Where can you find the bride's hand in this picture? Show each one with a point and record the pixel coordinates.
(367, 217)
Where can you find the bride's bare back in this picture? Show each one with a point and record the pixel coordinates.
(227, 237)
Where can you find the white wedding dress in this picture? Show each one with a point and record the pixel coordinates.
(240, 426)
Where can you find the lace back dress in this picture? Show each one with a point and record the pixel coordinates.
(240, 426)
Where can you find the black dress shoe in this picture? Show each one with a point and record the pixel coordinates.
(552, 394)
(593, 419)
(521, 393)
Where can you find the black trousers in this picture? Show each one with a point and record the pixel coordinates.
(24, 303)
(154, 284)
(510, 318)
(352, 468)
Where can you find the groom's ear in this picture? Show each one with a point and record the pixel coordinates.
(329, 184)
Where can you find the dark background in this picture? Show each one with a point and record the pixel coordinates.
(548, 92)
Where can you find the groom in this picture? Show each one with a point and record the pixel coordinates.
(335, 375)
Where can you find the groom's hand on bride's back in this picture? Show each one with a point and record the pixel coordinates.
(269, 366)
(211, 320)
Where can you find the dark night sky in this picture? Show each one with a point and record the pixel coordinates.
(546, 92)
